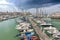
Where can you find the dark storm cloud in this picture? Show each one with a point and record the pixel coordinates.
(43, 1)
(34, 3)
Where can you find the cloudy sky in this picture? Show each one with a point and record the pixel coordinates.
(28, 4)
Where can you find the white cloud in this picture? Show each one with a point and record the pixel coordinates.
(3, 2)
(10, 8)
(6, 6)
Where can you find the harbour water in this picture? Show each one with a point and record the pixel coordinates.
(56, 23)
(7, 30)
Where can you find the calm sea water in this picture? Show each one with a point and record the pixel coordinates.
(56, 23)
(7, 30)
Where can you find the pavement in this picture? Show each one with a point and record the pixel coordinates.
(41, 34)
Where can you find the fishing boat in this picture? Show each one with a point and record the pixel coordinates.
(51, 30)
(46, 24)
(23, 26)
(56, 35)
